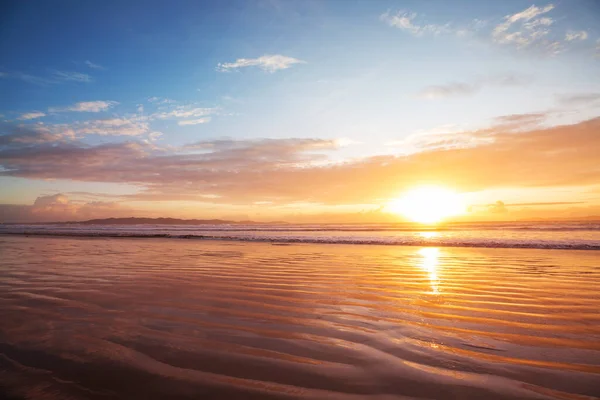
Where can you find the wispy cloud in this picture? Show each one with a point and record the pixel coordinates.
(31, 115)
(448, 90)
(269, 63)
(36, 80)
(93, 65)
(529, 28)
(578, 99)
(111, 127)
(185, 112)
(524, 28)
(406, 22)
(160, 100)
(576, 35)
(286, 170)
(194, 121)
(455, 89)
(86, 106)
(70, 76)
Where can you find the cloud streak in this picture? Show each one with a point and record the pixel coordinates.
(457, 89)
(576, 35)
(406, 21)
(31, 115)
(93, 65)
(70, 76)
(86, 106)
(531, 28)
(293, 170)
(268, 63)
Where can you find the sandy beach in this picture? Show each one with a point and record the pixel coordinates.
(88, 318)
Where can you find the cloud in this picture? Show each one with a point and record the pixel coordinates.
(497, 208)
(55, 78)
(26, 134)
(160, 100)
(59, 207)
(441, 137)
(293, 170)
(32, 115)
(523, 28)
(406, 22)
(93, 65)
(36, 80)
(448, 90)
(269, 63)
(579, 98)
(111, 127)
(456, 89)
(49, 201)
(69, 76)
(529, 28)
(185, 112)
(576, 35)
(86, 106)
(194, 121)
(519, 121)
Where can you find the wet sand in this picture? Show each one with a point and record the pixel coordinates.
(125, 318)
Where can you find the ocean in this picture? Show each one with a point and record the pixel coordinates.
(494, 311)
(542, 235)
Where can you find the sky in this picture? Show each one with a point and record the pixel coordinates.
(301, 111)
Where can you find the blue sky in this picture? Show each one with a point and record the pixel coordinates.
(372, 77)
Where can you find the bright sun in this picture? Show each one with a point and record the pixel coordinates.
(428, 205)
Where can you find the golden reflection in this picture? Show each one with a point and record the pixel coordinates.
(428, 235)
(430, 262)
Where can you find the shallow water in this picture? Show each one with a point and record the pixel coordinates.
(536, 235)
(88, 318)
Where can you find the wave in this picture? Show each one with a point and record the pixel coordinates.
(290, 238)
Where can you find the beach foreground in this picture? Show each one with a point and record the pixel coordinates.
(98, 318)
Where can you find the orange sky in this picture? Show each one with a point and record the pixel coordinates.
(512, 174)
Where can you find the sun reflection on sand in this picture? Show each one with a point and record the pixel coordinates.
(429, 262)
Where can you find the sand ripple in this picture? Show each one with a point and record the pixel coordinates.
(139, 318)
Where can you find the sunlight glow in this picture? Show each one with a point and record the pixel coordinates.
(428, 204)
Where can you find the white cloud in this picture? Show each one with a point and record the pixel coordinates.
(269, 63)
(529, 28)
(32, 115)
(576, 35)
(447, 136)
(194, 121)
(455, 89)
(405, 22)
(71, 76)
(103, 127)
(160, 100)
(185, 112)
(523, 28)
(86, 106)
(112, 127)
(93, 65)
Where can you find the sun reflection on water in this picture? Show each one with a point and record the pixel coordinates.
(429, 262)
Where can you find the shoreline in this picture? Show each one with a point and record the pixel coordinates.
(308, 240)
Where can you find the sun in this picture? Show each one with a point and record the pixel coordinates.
(428, 204)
